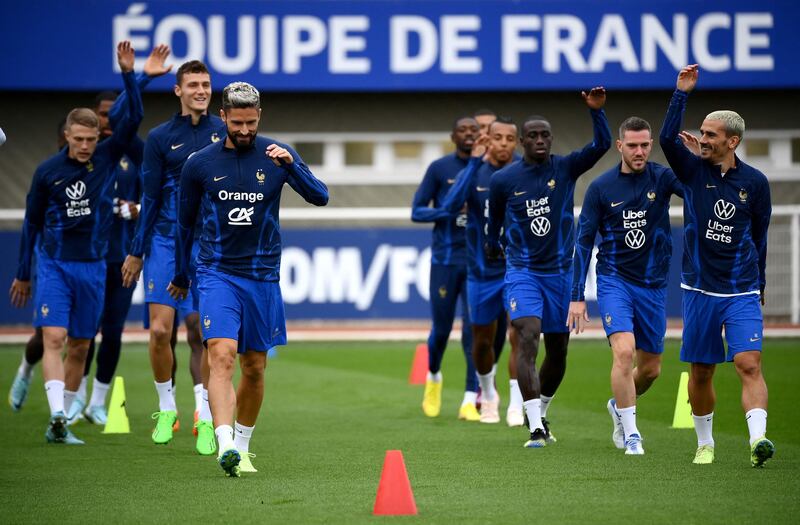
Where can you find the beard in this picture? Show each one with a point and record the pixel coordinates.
(242, 142)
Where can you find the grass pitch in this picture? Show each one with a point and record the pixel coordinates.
(331, 410)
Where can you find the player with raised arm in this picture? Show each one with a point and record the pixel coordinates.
(534, 199)
(448, 269)
(69, 202)
(726, 210)
(236, 186)
(166, 150)
(485, 277)
(629, 206)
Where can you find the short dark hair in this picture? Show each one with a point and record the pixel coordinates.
(103, 96)
(192, 66)
(634, 124)
(463, 117)
(502, 119)
(532, 118)
(484, 111)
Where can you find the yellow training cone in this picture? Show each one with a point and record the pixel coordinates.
(683, 410)
(117, 417)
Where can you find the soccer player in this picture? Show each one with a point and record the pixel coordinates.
(534, 198)
(108, 108)
(448, 269)
(629, 205)
(726, 211)
(69, 200)
(236, 185)
(484, 118)
(485, 277)
(166, 150)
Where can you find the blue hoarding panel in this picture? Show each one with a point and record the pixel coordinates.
(378, 273)
(319, 45)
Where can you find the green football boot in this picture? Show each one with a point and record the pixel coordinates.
(229, 461)
(761, 451)
(162, 434)
(206, 444)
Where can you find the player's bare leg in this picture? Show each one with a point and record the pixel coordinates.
(754, 404)
(249, 398)
(529, 330)
(222, 397)
(514, 414)
(703, 398)
(623, 386)
(162, 319)
(53, 373)
(552, 373)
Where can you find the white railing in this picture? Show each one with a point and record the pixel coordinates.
(783, 254)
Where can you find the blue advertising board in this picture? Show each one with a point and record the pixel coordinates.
(375, 273)
(320, 45)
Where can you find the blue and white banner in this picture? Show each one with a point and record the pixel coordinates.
(376, 273)
(322, 45)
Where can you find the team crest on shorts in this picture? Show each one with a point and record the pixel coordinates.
(206, 323)
(742, 195)
(651, 195)
(513, 304)
(608, 319)
(45, 310)
(150, 286)
(214, 137)
(260, 176)
(442, 292)
(551, 184)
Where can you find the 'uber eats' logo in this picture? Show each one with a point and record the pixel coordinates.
(717, 231)
(240, 216)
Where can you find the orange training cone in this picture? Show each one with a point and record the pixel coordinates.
(419, 370)
(394, 496)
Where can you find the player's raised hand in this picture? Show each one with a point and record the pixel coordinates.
(154, 65)
(177, 293)
(687, 78)
(279, 155)
(481, 146)
(578, 317)
(20, 292)
(131, 269)
(125, 56)
(691, 142)
(596, 98)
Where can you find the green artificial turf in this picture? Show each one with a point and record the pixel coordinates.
(331, 411)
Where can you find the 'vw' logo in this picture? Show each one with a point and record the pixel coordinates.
(76, 191)
(540, 226)
(634, 239)
(724, 209)
(240, 217)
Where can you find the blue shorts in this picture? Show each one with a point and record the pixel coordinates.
(625, 307)
(704, 316)
(159, 270)
(542, 296)
(233, 307)
(486, 301)
(69, 294)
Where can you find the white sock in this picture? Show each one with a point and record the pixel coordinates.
(703, 426)
(436, 378)
(166, 400)
(224, 437)
(487, 386)
(69, 397)
(628, 418)
(545, 403)
(241, 438)
(515, 394)
(175, 394)
(533, 409)
(756, 423)
(469, 397)
(99, 391)
(25, 369)
(55, 396)
(205, 408)
(198, 396)
(81, 393)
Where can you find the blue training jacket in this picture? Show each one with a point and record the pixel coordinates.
(238, 195)
(726, 217)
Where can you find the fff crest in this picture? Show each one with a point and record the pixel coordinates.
(260, 176)
(214, 137)
(551, 184)
(651, 195)
(207, 322)
(742, 195)
(442, 292)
